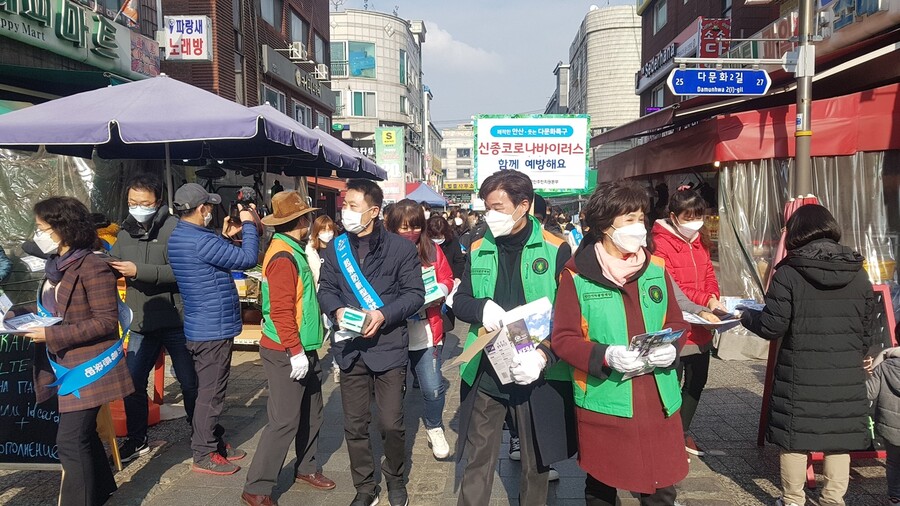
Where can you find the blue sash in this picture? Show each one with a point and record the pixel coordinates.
(366, 295)
(70, 381)
(577, 236)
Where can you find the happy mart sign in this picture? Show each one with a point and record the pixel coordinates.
(551, 149)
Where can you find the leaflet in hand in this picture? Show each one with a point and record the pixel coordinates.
(721, 325)
(524, 327)
(645, 343)
(22, 323)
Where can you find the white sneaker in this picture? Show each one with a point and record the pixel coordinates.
(439, 446)
(553, 475)
(780, 502)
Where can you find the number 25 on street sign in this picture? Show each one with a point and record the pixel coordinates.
(729, 82)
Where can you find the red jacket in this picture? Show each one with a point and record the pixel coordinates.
(444, 277)
(691, 268)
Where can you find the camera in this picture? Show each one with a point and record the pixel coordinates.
(245, 197)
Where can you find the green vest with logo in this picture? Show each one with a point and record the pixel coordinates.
(309, 316)
(538, 280)
(603, 311)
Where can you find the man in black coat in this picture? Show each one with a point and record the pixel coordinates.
(376, 361)
(140, 256)
(821, 303)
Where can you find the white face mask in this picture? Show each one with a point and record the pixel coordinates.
(427, 214)
(630, 238)
(142, 213)
(207, 219)
(45, 242)
(500, 223)
(690, 229)
(352, 221)
(326, 236)
(457, 221)
(438, 241)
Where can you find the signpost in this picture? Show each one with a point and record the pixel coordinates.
(390, 154)
(728, 82)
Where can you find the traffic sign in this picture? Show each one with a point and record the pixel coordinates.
(731, 82)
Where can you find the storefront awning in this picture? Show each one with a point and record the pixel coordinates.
(648, 123)
(52, 83)
(327, 184)
(862, 121)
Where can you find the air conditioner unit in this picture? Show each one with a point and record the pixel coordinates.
(298, 51)
(321, 72)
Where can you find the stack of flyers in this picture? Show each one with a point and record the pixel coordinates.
(645, 343)
(524, 327)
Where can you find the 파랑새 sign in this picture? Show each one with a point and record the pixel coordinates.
(552, 149)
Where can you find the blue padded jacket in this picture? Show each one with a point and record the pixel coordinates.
(202, 262)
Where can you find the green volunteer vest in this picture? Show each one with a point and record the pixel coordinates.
(309, 317)
(604, 314)
(538, 280)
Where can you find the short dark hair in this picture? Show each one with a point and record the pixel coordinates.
(688, 201)
(438, 227)
(613, 199)
(146, 181)
(425, 206)
(70, 219)
(516, 184)
(370, 190)
(809, 223)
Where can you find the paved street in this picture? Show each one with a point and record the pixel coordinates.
(741, 474)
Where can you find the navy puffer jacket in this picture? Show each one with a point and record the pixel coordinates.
(202, 262)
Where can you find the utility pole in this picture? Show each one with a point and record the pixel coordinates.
(806, 62)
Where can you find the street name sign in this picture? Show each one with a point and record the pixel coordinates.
(728, 82)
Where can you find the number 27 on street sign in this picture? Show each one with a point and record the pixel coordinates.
(730, 82)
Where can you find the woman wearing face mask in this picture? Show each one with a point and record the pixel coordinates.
(441, 234)
(319, 237)
(611, 291)
(80, 288)
(426, 330)
(680, 241)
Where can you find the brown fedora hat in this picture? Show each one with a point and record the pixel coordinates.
(287, 206)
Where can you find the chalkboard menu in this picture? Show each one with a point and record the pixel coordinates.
(27, 430)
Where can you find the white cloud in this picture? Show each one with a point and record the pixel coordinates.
(442, 51)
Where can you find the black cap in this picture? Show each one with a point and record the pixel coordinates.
(193, 195)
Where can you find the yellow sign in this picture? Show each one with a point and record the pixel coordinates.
(388, 138)
(460, 186)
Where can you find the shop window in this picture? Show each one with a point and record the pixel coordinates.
(275, 98)
(658, 95)
(659, 15)
(299, 29)
(338, 103)
(444, 153)
(303, 114)
(361, 59)
(463, 173)
(339, 59)
(272, 10)
(403, 65)
(320, 49)
(404, 105)
(322, 121)
(364, 104)
(464, 152)
(726, 8)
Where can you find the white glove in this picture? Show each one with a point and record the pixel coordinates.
(619, 358)
(527, 367)
(662, 356)
(492, 316)
(299, 366)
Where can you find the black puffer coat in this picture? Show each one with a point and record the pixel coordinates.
(822, 304)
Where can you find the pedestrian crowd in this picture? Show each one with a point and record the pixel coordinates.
(381, 285)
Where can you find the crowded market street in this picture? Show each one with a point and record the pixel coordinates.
(727, 420)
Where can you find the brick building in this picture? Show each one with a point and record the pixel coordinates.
(252, 60)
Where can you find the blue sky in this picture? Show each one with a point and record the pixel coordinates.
(490, 56)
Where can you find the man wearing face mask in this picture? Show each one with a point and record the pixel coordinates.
(375, 270)
(516, 262)
(202, 262)
(152, 294)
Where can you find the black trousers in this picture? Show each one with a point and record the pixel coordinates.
(483, 444)
(597, 493)
(295, 414)
(694, 371)
(87, 479)
(212, 362)
(359, 387)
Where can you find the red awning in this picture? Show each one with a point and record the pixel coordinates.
(864, 121)
(327, 184)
